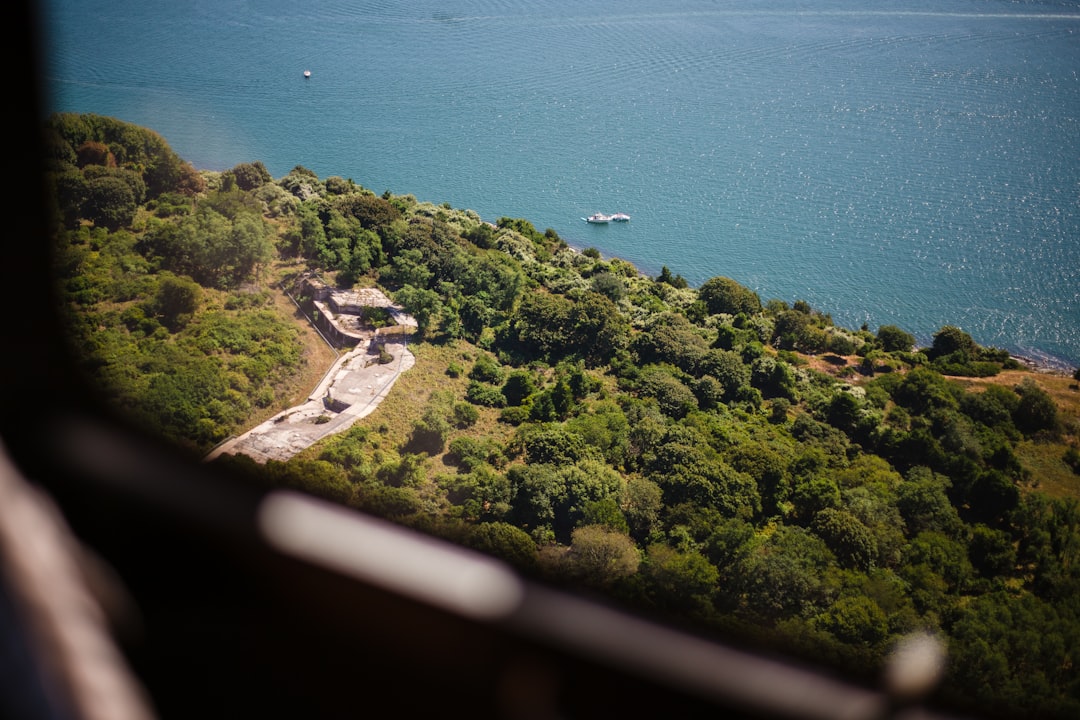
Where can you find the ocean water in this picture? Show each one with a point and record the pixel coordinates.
(916, 163)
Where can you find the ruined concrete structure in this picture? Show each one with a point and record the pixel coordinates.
(351, 389)
(340, 314)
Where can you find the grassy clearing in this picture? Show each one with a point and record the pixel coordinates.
(413, 393)
(316, 356)
(1064, 390)
(1049, 473)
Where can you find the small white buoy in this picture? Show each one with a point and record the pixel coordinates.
(307, 73)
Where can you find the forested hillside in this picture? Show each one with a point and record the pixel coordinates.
(746, 466)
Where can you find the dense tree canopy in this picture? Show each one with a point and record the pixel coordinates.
(694, 452)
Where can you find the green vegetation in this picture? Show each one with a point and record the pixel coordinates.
(694, 452)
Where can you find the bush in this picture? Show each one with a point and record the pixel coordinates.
(486, 370)
(1072, 459)
(893, 339)
(465, 415)
(515, 415)
(1037, 410)
(480, 394)
(519, 386)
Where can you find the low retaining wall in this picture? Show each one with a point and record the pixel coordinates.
(339, 314)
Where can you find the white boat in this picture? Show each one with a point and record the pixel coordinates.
(620, 217)
(598, 218)
(307, 73)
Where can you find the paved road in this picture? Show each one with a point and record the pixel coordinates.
(356, 380)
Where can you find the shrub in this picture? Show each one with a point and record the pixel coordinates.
(1037, 410)
(480, 394)
(1072, 459)
(465, 415)
(893, 339)
(486, 370)
(515, 415)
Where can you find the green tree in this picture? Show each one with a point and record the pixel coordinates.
(641, 503)
(609, 285)
(251, 175)
(604, 426)
(175, 301)
(486, 369)
(675, 398)
(946, 556)
(893, 339)
(992, 552)
(505, 541)
(315, 477)
(951, 340)
(429, 433)
(850, 540)
(728, 368)
(605, 512)
(596, 329)
(689, 472)
(683, 582)
(109, 202)
(796, 330)
(600, 556)
(374, 213)
(536, 493)
(856, 619)
(774, 378)
(843, 412)
(924, 503)
(768, 468)
(923, 389)
(424, 305)
(554, 445)
(671, 338)
(665, 277)
(541, 323)
(132, 178)
(784, 575)
(724, 295)
(1037, 410)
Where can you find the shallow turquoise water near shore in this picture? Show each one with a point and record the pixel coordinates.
(917, 165)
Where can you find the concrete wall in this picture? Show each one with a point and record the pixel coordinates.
(325, 305)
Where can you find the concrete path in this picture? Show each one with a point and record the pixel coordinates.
(350, 390)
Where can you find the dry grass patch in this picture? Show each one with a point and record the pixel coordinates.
(1062, 388)
(1044, 459)
(415, 390)
(1049, 472)
(316, 357)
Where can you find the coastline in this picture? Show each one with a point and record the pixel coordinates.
(1043, 367)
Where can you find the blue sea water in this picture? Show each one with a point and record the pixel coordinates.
(915, 162)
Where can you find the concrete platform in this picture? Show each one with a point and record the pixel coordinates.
(350, 390)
